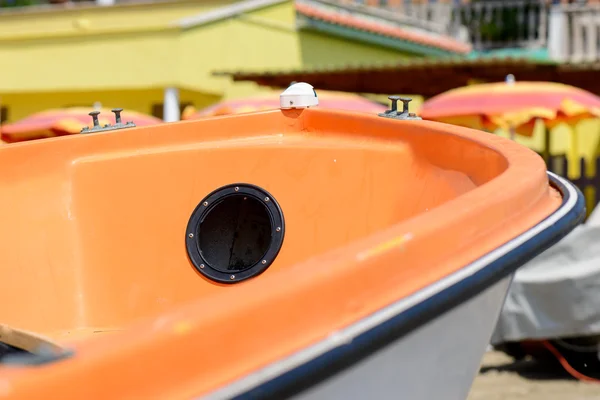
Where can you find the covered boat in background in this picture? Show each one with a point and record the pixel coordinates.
(298, 252)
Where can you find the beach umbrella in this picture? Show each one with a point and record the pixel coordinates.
(490, 106)
(66, 121)
(513, 106)
(327, 99)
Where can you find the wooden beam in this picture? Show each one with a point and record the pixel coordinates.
(426, 79)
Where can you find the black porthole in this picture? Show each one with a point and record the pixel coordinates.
(235, 233)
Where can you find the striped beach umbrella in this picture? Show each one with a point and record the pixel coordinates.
(515, 105)
(66, 121)
(327, 99)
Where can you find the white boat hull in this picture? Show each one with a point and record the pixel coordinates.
(439, 360)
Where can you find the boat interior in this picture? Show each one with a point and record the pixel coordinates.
(239, 223)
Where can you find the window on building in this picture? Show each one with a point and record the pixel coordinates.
(3, 114)
(158, 109)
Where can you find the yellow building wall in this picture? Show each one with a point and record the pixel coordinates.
(92, 19)
(20, 105)
(125, 56)
(267, 40)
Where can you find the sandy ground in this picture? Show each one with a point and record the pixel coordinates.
(501, 378)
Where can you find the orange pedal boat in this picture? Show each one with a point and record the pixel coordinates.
(299, 252)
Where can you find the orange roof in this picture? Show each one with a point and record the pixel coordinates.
(444, 43)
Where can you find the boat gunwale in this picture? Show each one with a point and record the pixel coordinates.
(350, 345)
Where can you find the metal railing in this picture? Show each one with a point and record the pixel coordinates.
(406, 17)
(570, 30)
(504, 23)
(485, 24)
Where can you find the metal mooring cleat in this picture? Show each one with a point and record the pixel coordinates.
(108, 127)
(404, 114)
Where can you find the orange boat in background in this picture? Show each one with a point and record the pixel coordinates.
(264, 102)
(66, 121)
(298, 252)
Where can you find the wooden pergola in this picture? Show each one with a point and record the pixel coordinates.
(428, 77)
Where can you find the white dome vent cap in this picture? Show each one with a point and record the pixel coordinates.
(298, 95)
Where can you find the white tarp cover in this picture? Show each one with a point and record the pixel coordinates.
(557, 294)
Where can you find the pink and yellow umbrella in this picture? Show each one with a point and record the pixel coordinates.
(332, 100)
(65, 121)
(514, 105)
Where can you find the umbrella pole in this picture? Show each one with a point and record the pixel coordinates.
(575, 150)
(546, 153)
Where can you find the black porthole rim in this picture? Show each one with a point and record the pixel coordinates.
(214, 197)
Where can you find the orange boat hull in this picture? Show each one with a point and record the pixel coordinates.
(372, 229)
